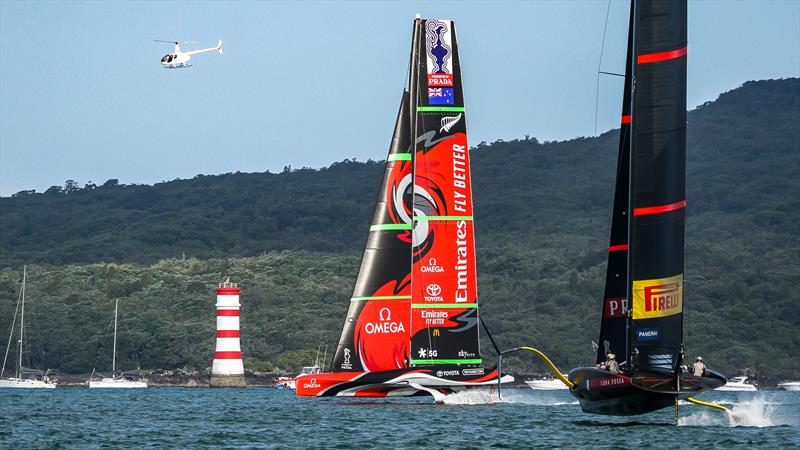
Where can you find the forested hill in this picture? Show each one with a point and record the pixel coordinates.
(542, 213)
(742, 155)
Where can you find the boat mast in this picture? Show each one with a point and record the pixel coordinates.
(22, 321)
(114, 354)
(629, 212)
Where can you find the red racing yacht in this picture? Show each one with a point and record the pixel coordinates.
(412, 325)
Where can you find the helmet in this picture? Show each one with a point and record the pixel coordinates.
(699, 358)
(612, 356)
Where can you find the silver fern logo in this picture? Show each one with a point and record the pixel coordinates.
(449, 122)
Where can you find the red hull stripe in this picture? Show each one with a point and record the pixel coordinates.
(626, 119)
(662, 56)
(659, 209)
(228, 333)
(227, 312)
(617, 248)
(227, 355)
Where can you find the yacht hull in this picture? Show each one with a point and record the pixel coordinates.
(602, 392)
(407, 382)
(117, 384)
(16, 383)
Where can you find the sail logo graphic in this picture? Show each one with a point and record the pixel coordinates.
(646, 334)
(312, 384)
(615, 308)
(346, 363)
(660, 297)
(434, 317)
(440, 79)
(386, 326)
(428, 353)
(441, 96)
(449, 122)
(434, 293)
(438, 45)
(465, 354)
(432, 267)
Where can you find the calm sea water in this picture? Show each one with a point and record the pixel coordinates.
(261, 417)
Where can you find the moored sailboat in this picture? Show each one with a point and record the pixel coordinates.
(116, 380)
(412, 325)
(24, 378)
(646, 250)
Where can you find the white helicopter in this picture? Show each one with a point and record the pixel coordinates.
(179, 59)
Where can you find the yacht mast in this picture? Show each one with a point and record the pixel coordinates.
(114, 355)
(22, 321)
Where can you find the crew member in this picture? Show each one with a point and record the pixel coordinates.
(699, 367)
(611, 364)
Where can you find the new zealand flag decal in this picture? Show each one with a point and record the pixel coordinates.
(440, 96)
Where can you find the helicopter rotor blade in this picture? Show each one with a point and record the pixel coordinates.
(168, 42)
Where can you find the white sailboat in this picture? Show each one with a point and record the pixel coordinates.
(34, 379)
(115, 381)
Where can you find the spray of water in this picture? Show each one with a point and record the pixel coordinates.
(756, 412)
(509, 396)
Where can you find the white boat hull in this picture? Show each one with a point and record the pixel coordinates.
(25, 384)
(791, 386)
(107, 383)
(737, 387)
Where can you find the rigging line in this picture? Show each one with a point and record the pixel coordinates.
(599, 64)
(488, 333)
(11, 334)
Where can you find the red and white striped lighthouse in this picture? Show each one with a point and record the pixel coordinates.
(228, 369)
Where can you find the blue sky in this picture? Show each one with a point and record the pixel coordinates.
(83, 96)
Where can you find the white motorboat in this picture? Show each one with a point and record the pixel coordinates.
(546, 384)
(25, 378)
(116, 381)
(738, 384)
(291, 383)
(790, 386)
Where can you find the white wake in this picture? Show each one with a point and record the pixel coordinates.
(758, 412)
(508, 396)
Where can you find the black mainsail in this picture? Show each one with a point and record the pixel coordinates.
(645, 262)
(613, 327)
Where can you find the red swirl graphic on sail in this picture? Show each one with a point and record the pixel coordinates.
(381, 331)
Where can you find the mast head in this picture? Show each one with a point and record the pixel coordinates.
(418, 16)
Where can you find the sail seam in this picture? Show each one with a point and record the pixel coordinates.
(390, 226)
(381, 297)
(440, 108)
(444, 305)
(428, 218)
(446, 361)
